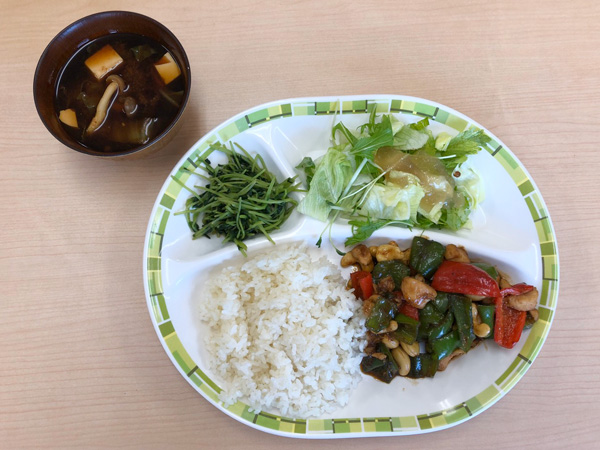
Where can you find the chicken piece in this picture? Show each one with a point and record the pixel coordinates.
(372, 341)
(369, 303)
(416, 292)
(359, 254)
(445, 361)
(455, 253)
(386, 285)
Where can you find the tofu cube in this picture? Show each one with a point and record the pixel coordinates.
(68, 117)
(167, 68)
(103, 61)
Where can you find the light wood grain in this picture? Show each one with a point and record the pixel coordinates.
(80, 364)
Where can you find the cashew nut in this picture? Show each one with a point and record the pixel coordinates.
(393, 326)
(523, 302)
(411, 349)
(482, 330)
(475, 298)
(402, 360)
(503, 283)
(390, 342)
(475, 314)
(387, 252)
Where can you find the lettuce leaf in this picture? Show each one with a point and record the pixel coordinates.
(434, 213)
(456, 218)
(469, 184)
(420, 125)
(329, 180)
(391, 202)
(410, 139)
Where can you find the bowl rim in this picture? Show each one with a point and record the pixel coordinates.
(158, 137)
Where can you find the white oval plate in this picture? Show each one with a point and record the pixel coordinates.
(512, 229)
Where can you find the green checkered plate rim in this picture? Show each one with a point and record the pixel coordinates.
(357, 426)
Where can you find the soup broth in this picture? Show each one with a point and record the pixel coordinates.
(119, 92)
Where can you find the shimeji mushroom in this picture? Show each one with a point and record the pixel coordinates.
(115, 83)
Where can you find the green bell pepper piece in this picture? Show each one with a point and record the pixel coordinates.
(486, 314)
(461, 309)
(383, 311)
(408, 329)
(393, 268)
(443, 328)
(429, 315)
(423, 365)
(426, 256)
(445, 345)
(529, 322)
(487, 268)
(441, 302)
(384, 370)
(423, 332)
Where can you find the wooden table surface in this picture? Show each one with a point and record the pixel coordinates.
(80, 363)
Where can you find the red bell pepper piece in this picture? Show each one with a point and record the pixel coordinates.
(463, 278)
(517, 289)
(362, 282)
(509, 322)
(409, 310)
(366, 286)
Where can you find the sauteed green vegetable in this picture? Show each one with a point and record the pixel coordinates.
(240, 199)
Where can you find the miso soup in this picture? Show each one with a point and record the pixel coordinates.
(119, 92)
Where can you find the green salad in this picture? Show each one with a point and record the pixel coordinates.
(390, 173)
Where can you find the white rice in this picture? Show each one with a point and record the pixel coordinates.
(284, 333)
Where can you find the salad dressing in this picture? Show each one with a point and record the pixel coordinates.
(437, 184)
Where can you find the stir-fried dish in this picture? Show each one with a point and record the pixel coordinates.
(429, 304)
